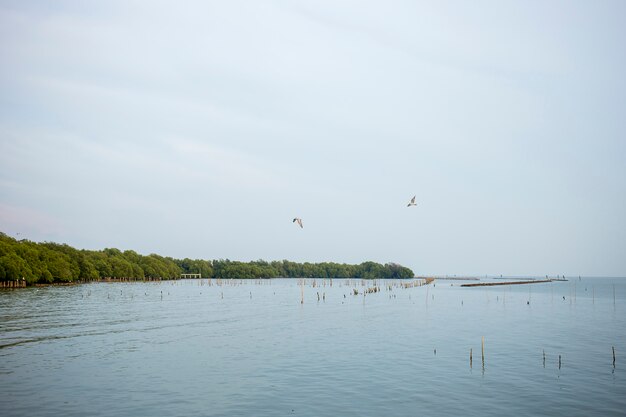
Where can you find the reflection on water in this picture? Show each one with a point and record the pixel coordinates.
(251, 348)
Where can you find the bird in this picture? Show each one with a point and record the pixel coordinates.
(412, 202)
(298, 220)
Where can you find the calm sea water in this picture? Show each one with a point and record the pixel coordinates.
(250, 348)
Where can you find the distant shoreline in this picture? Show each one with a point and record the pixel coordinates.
(10, 285)
(490, 284)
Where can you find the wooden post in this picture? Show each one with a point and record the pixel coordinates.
(482, 344)
(470, 357)
(544, 358)
(613, 356)
(559, 361)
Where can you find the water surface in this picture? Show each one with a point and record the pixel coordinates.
(251, 348)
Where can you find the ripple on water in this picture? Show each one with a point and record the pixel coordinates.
(181, 349)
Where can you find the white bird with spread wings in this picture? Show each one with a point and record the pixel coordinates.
(412, 202)
(299, 221)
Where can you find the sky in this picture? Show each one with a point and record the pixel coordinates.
(202, 128)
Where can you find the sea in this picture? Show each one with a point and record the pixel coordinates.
(314, 347)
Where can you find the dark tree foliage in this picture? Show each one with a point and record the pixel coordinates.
(52, 262)
(195, 266)
(261, 269)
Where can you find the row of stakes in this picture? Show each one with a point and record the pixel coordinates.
(377, 289)
(482, 348)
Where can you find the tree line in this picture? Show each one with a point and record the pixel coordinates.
(49, 262)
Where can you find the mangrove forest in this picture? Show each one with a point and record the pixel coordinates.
(28, 263)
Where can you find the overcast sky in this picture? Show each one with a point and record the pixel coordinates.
(201, 129)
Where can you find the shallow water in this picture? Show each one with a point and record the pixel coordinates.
(251, 348)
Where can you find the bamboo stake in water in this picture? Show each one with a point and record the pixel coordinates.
(470, 357)
(559, 361)
(301, 292)
(482, 344)
(544, 358)
(613, 356)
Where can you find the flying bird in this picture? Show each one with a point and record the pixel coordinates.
(299, 221)
(412, 202)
